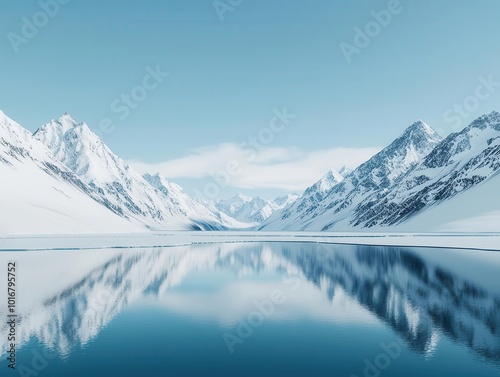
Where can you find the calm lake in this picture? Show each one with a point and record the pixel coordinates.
(254, 309)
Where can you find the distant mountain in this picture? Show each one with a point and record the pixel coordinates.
(333, 199)
(246, 209)
(200, 213)
(308, 201)
(283, 201)
(345, 171)
(253, 210)
(318, 191)
(155, 204)
(40, 195)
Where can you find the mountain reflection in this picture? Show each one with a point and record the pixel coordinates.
(419, 299)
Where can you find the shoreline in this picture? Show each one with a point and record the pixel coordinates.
(19, 243)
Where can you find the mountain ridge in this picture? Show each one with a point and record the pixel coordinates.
(378, 173)
(417, 171)
(155, 204)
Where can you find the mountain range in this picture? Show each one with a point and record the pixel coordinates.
(253, 210)
(65, 179)
(418, 172)
(39, 194)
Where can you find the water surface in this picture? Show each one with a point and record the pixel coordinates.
(255, 309)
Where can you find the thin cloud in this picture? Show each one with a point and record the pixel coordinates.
(272, 168)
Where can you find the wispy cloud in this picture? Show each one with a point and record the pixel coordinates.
(271, 168)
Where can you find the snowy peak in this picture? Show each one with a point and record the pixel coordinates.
(325, 184)
(345, 171)
(56, 129)
(416, 142)
(420, 131)
(419, 126)
(420, 135)
(246, 209)
(203, 215)
(311, 197)
(283, 201)
(41, 195)
(67, 121)
(458, 147)
(81, 150)
(411, 146)
(67, 129)
(491, 120)
(149, 201)
(18, 144)
(329, 180)
(232, 205)
(460, 162)
(333, 175)
(10, 129)
(334, 198)
(159, 182)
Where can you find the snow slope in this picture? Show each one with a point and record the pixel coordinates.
(38, 195)
(467, 212)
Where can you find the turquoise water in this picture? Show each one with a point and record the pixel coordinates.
(264, 309)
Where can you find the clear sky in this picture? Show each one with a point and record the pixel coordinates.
(231, 70)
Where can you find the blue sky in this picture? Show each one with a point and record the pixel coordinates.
(227, 78)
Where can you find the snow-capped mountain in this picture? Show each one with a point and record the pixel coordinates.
(319, 210)
(318, 191)
(309, 199)
(246, 209)
(253, 210)
(345, 171)
(460, 162)
(283, 201)
(201, 213)
(38, 194)
(64, 177)
(156, 204)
